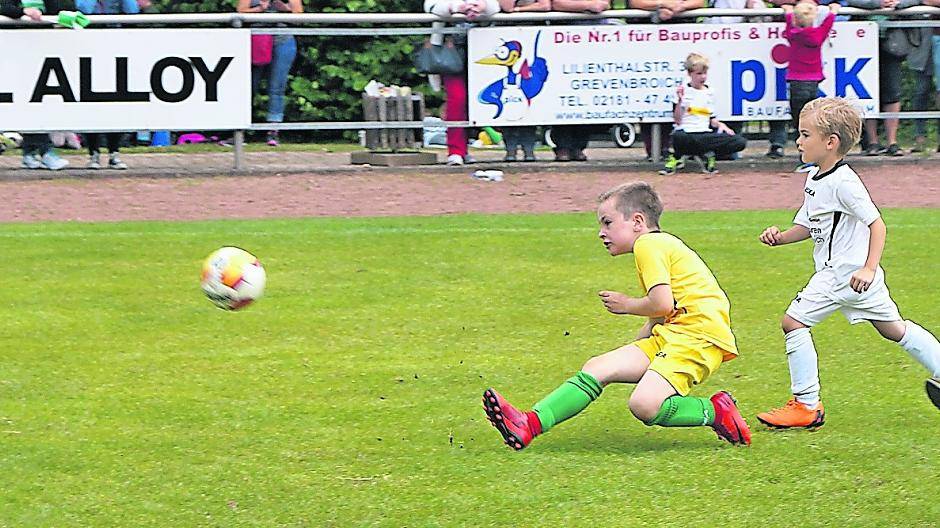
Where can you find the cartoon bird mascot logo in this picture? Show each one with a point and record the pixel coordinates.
(512, 94)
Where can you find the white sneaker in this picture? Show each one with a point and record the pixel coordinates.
(114, 162)
(94, 161)
(52, 161)
(455, 159)
(30, 161)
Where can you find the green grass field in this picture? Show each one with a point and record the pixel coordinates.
(350, 394)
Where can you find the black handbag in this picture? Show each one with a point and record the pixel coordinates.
(899, 42)
(446, 59)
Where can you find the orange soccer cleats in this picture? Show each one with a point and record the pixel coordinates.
(794, 414)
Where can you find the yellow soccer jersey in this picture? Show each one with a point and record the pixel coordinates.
(702, 308)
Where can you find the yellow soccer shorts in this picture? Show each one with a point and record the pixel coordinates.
(683, 360)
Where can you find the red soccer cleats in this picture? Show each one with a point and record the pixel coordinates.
(516, 427)
(794, 414)
(729, 424)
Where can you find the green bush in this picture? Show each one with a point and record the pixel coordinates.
(326, 80)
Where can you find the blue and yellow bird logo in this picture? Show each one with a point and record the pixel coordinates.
(522, 82)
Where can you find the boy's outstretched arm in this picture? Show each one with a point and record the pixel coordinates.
(657, 303)
(772, 236)
(863, 277)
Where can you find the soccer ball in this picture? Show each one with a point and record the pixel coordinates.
(232, 278)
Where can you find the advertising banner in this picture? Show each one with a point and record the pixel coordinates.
(629, 73)
(125, 79)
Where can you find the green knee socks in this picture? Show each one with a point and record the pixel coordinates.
(684, 411)
(572, 397)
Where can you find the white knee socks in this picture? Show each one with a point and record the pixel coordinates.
(804, 371)
(922, 346)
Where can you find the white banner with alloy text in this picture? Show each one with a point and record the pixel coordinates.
(125, 79)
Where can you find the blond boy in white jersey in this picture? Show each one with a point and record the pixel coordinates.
(849, 236)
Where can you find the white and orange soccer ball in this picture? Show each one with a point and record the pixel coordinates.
(232, 278)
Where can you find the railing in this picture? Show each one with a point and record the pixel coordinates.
(334, 21)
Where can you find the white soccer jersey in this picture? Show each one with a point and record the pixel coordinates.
(837, 210)
(698, 109)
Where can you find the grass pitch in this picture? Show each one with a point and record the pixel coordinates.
(350, 394)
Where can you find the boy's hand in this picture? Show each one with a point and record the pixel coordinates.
(598, 6)
(771, 236)
(725, 129)
(862, 279)
(834, 8)
(787, 9)
(615, 302)
(680, 92)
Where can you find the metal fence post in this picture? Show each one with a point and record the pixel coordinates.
(655, 143)
(239, 150)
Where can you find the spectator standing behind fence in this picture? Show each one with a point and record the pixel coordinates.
(283, 52)
(919, 61)
(113, 139)
(455, 86)
(804, 71)
(737, 126)
(663, 11)
(698, 132)
(37, 148)
(778, 129)
(889, 80)
(521, 137)
(571, 140)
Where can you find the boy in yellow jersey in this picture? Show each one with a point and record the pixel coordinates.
(686, 337)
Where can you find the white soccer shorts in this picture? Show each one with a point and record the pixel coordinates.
(825, 293)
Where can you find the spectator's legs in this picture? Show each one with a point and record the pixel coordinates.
(922, 92)
(114, 148)
(685, 144)
(511, 141)
(40, 145)
(801, 92)
(285, 50)
(526, 139)
(114, 141)
(93, 142)
(257, 73)
(36, 144)
(579, 142)
(455, 92)
(935, 41)
(564, 137)
(777, 136)
(890, 84)
(891, 125)
(723, 145)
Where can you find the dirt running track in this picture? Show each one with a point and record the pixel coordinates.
(545, 188)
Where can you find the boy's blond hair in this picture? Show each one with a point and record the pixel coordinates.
(695, 61)
(639, 197)
(805, 13)
(835, 115)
